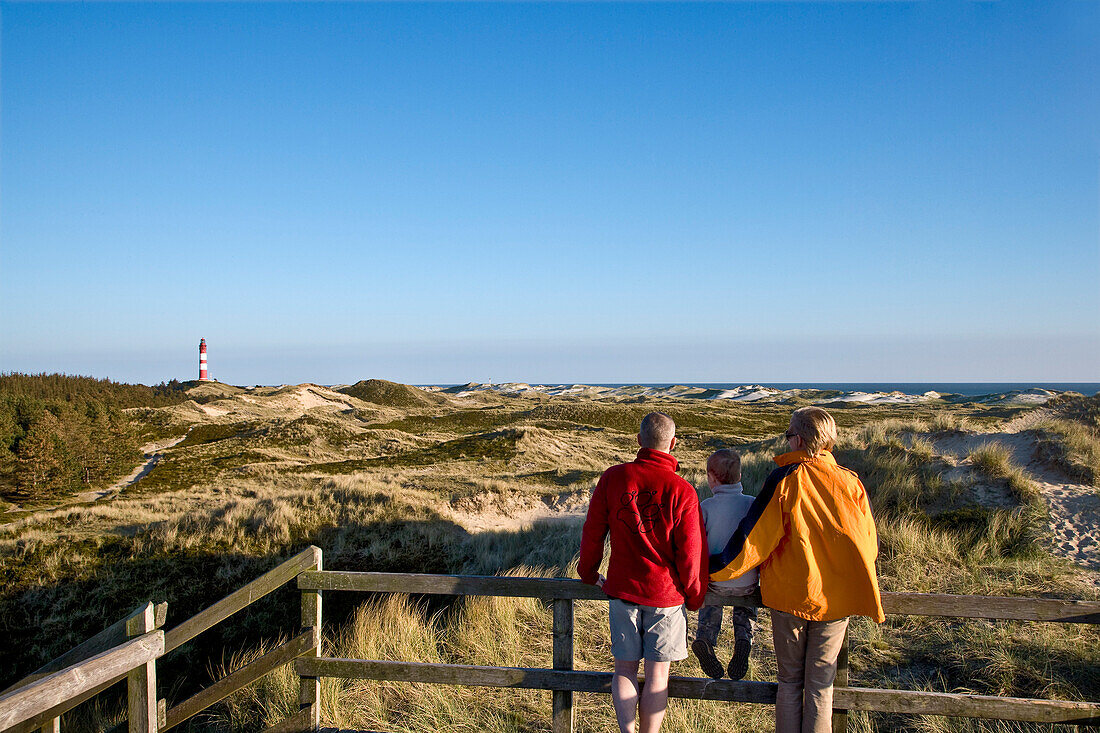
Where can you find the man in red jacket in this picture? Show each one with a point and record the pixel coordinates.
(657, 564)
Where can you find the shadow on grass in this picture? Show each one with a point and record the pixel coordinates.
(105, 579)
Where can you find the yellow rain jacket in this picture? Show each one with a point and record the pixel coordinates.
(811, 532)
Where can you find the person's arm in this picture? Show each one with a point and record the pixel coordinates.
(690, 542)
(871, 553)
(758, 534)
(868, 517)
(592, 536)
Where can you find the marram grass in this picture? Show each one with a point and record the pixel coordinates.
(214, 523)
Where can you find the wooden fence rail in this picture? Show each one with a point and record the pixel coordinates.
(913, 604)
(308, 641)
(851, 698)
(57, 692)
(563, 680)
(242, 598)
(110, 637)
(242, 677)
(49, 721)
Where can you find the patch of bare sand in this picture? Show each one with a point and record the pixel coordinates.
(1074, 508)
(311, 397)
(268, 402)
(510, 512)
(213, 411)
(1027, 420)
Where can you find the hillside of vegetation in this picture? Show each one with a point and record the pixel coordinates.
(387, 477)
(60, 434)
(382, 392)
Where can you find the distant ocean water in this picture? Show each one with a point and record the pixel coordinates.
(969, 389)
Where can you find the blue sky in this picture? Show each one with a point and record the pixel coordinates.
(575, 192)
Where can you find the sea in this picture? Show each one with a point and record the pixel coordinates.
(968, 389)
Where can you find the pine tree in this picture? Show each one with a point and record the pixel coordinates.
(39, 461)
(77, 435)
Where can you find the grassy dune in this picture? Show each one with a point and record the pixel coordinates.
(404, 483)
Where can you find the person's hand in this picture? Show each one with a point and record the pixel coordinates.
(600, 581)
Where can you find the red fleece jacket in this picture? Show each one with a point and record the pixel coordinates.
(658, 544)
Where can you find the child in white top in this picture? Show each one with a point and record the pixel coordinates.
(721, 515)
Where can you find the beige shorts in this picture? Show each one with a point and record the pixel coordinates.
(647, 632)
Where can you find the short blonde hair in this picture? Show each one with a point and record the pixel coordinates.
(725, 464)
(657, 431)
(816, 428)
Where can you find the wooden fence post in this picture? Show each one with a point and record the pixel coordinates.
(141, 685)
(840, 717)
(563, 659)
(52, 726)
(309, 690)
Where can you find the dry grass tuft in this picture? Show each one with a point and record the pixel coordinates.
(1071, 447)
(994, 461)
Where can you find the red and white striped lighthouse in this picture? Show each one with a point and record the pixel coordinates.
(202, 361)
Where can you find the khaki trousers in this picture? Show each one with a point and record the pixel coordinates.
(806, 653)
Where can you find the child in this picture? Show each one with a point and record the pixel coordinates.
(721, 515)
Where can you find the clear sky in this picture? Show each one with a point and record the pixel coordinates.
(551, 193)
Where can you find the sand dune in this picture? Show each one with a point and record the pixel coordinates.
(1074, 522)
(744, 393)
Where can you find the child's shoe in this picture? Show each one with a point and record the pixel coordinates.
(739, 665)
(707, 660)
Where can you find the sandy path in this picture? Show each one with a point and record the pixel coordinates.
(1074, 508)
(153, 455)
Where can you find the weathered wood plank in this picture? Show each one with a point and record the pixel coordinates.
(54, 694)
(32, 724)
(890, 701)
(992, 607)
(242, 677)
(297, 723)
(968, 706)
(141, 684)
(484, 585)
(309, 688)
(53, 725)
(922, 604)
(111, 636)
(226, 607)
(562, 700)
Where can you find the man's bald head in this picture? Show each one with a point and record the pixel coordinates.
(658, 432)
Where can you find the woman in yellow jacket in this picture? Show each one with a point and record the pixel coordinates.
(811, 532)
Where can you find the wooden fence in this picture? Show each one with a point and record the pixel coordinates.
(129, 650)
(563, 680)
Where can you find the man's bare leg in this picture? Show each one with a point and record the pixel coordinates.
(654, 698)
(624, 693)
